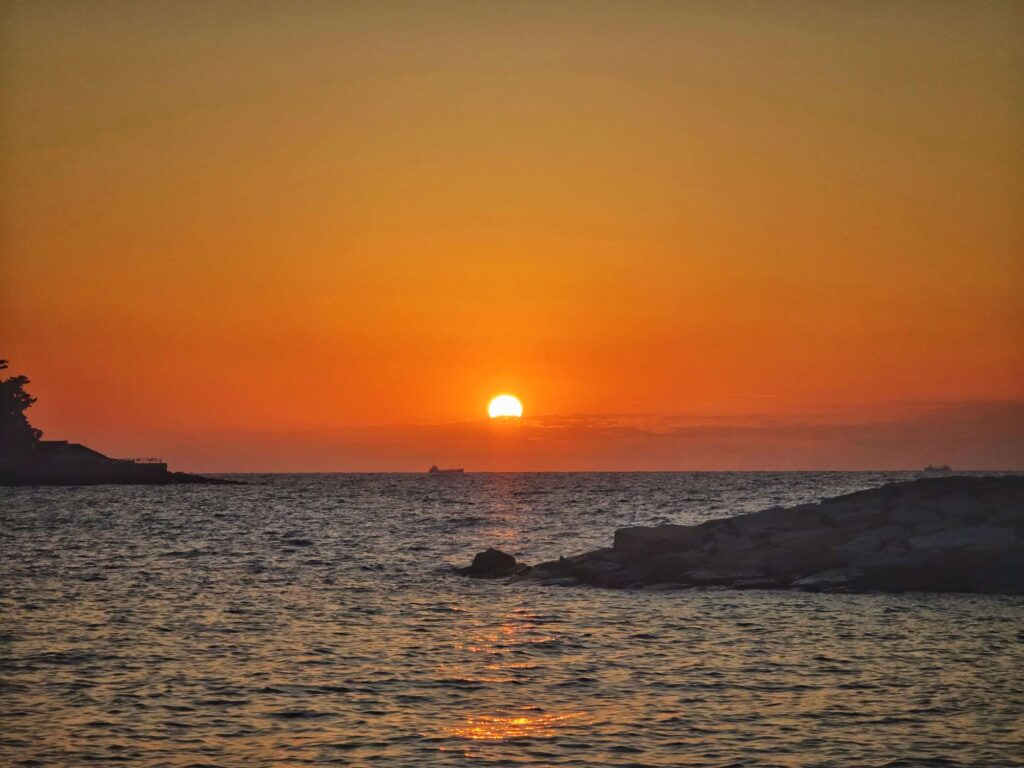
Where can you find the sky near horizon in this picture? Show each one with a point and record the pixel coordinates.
(320, 236)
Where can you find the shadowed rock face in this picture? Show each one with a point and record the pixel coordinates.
(956, 534)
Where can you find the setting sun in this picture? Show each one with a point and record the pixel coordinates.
(505, 406)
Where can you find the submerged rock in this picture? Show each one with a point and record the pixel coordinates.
(949, 534)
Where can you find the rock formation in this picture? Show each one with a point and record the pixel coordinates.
(492, 563)
(949, 534)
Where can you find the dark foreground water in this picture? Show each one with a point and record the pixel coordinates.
(310, 620)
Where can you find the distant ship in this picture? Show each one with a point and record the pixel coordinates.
(435, 471)
(933, 468)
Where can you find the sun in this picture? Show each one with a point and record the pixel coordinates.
(505, 407)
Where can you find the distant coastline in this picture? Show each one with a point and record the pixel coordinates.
(170, 478)
(59, 462)
(27, 459)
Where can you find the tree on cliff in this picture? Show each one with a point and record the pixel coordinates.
(17, 436)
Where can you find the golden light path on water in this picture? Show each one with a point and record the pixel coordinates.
(516, 631)
(528, 722)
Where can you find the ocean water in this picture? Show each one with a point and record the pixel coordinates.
(314, 620)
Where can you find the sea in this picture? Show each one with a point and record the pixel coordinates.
(315, 620)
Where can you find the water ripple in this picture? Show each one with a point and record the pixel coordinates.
(312, 620)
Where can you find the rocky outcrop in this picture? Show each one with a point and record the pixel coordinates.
(492, 563)
(956, 534)
(59, 462)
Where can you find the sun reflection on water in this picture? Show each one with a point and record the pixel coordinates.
(509, 634)
(495, 649)
(528, 722)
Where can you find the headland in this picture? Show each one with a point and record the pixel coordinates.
(59, 462)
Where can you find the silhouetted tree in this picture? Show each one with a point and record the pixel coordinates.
(17, 436)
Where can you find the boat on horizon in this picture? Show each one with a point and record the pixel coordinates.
(434, 470)
(933, 468)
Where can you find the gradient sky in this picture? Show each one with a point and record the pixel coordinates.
(319, 236)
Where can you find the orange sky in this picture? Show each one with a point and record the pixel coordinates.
(321, 236)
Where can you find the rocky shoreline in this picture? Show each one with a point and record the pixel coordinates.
(948, 534)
